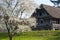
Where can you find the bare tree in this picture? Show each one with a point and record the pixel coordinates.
(56, 2)
(27, 6)
(14, 8)
(9, 25)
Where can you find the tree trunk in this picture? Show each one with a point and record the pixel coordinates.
(10, 36)
(8, 29)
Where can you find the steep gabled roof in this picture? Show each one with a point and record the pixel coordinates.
(53, 11)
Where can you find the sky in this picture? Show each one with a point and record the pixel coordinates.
(47, 2)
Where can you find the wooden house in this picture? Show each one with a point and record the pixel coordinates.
(47, 18)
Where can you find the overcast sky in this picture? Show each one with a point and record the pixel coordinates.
(47, 2)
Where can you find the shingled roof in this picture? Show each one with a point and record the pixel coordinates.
(53, 11)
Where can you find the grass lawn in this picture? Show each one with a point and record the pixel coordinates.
(34, 35)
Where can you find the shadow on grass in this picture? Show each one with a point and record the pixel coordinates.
(56, 36)
(3, 36)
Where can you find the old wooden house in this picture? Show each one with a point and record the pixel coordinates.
(47, 18)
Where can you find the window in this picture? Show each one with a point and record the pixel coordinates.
(41, 21)
(56, 22)
(40, 14)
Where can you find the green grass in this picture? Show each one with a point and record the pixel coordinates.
(34, 35)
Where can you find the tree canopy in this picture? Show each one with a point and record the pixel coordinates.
(56, 2)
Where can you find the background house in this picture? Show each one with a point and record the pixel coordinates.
(47, 17)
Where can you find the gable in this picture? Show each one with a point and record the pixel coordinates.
(46, 10)
(40, 12)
